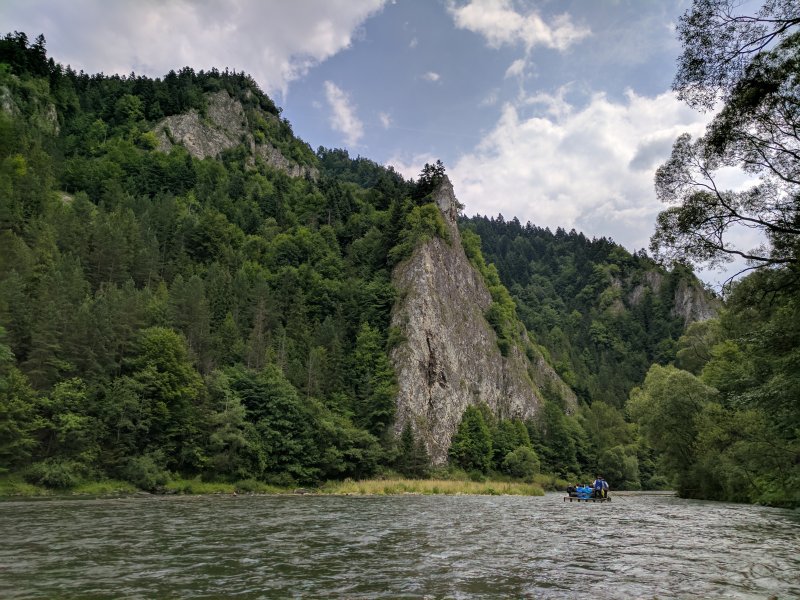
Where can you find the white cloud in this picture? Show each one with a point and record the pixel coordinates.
(343, 117)
(516, 69)
(385, 119)
(491, 98)
(273, 40)
(413, 43)
(500, 24)
(431, 76)
(590, 167)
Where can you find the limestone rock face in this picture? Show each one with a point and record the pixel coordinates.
(449, 358)
(691, 302)
(224, 127)
(44, 117)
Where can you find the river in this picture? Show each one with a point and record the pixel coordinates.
(396, 547)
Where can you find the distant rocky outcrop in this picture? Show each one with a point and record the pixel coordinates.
(450, 357)
(691, 301)
(223, 127)
(43, 114)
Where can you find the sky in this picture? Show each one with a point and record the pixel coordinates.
(556, 112)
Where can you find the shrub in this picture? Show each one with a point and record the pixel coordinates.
(56, 473)
(522, 462)
(145, 473)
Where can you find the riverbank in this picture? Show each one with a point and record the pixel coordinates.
(15, 487)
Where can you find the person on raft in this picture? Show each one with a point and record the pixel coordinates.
(572, 490)
(600, 487)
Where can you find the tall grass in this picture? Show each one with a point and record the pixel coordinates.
(16, 486)
(198, 486)
(103, 488)
(390, 487)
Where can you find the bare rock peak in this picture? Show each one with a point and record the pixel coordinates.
(451, 358)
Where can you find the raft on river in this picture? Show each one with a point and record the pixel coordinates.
(583, 499)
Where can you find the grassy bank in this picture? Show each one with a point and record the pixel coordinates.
(12, 486)
(389, 487)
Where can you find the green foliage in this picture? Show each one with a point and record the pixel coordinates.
(147, 246)
(421, 224)
(18, 418)
(374, 382)
(146, 472)
(471, 446)
(603, 314)
(554, 438)
(56, 473)
(502, 313)
(429, 179)
(693, 349)
(168, 318)
(522, 462)
(412, 455)
(667, 407)
(750, 64)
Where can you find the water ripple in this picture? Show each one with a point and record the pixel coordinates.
(396, 547)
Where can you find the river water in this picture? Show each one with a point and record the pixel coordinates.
(396, 547)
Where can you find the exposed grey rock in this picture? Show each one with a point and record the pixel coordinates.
(450, 358)
(693, 303)
(7, 104)
(224, 127)
(45, 115)
(50, 117)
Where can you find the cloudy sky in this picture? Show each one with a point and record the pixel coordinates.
(553, 111)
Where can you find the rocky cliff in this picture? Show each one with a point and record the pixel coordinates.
(223, 127)
(450, 357)
(690, 301)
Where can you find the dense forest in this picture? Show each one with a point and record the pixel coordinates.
(165, 316)
(725, 418)
(603, 314)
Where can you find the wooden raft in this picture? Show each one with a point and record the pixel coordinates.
(576, 499)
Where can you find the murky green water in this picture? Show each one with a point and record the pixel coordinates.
(395, 547)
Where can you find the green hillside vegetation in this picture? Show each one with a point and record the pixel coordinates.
(726, 418)
(185, 324)
(579, 299)
(164, 315)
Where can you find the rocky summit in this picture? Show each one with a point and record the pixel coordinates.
(450, 357)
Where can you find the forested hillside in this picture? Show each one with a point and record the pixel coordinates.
(604, 315)
(726, 418)
(166, 314)
(189, 290)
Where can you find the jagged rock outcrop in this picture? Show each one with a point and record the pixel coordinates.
(44, 114)
(450, 357)
(224, 127)
(691, 301)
